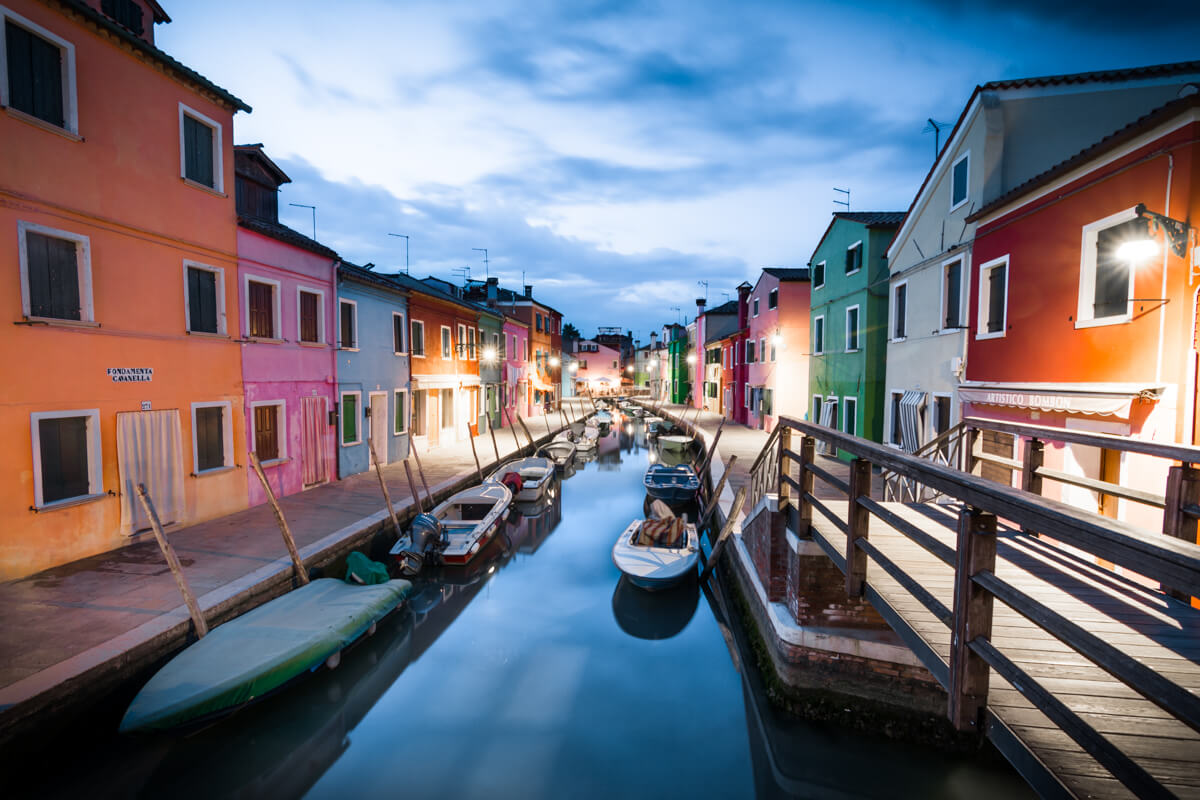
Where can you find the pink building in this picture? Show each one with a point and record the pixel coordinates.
(598, 368)
(515, 358)
(776, 349)
(286, 296)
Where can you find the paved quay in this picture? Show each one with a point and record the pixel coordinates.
(77, 630)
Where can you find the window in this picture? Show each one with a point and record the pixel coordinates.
(750, 351)
(348, 324)
(38, 73)
(772, 299)
(416, 338)
(351, 402)
(756, 306)
(960, 180)
(993, 298)
(66, 456)
(56, 273)
(774, 341)
(762, 349)
(850, 415)
(471, 342)
(952, 294)
(501, 351)
(514, 346)
(310, 304)
(262, 299)
(446, 401)
(447, 345)
(397, 333)
(1106, 281)
(212, 437)
(899, 311)
(768, 402)
(539, 323)
(200, 149)
(854, 258)
(819, 336)
(817, 402)
(125, 13)
(851, 329)
(419, 419)
(400, 412)
(897, 437)
(462, 341)
(818, 275)
(269, 441)
(204, 298)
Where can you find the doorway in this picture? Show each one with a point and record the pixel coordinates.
(150, 452)
(378, 423)
(313, 426)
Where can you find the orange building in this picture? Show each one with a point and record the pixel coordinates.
(118, 238)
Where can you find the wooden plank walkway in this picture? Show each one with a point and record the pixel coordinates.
(1162, 633)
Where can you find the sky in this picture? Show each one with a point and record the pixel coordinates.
(614, 155)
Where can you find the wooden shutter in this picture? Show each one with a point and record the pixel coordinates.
(34, 74)
(347, 315)
(64, 454)
(53, 277)
(416, 338)
(1112, 273)
(308, 317)
(262, 310)
(349, 418)
(901, 310)
(210, 438)
(198, 151)
(202, 300)
(398, 425)
(266, 432)
(398, 334)
(996, 289)
(953, 293)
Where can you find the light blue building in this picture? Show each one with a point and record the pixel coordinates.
(372, 369)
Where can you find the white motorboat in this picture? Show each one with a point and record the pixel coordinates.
(658, 553)
(602, 418)
(559, 451)
(457, 529)
(675, 442)
(535, 471)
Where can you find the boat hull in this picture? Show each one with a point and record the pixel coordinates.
(656, 568)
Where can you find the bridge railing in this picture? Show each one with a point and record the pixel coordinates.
(1170, 560)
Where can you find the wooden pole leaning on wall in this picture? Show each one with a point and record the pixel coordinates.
(168, 552)
(808, 454)
(528, 435)
(512, 427)
(546, 419)
(421, 475)
(387, 497)
(712, 448)
(716, 494)
(288, 539)
(412, 487)
(976, 553)
(495, 447)
(734, 514)
(857, 527)
(475, 455)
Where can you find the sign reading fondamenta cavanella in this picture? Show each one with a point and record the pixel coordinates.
(131, 374)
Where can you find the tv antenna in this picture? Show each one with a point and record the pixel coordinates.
(314, 216)
(486, 269)
(466, 271)
(845, 202)
(405, 238)
(705, 285)
(677, 311)
(936, 129)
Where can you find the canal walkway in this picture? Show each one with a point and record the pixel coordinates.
(71, 633)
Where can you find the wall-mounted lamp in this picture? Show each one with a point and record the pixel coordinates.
(1175, 231)
(489, 355)
(554, 362)
(691, 359)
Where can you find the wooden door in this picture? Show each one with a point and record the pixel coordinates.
(314, 426)
(379, 426)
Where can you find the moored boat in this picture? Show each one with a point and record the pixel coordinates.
(456, 529)
(559, 451)
(673, 484)
(657, 553)
(535, 473)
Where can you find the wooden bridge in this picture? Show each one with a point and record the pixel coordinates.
(1084, 677)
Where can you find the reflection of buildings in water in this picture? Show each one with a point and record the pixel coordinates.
(608, 452)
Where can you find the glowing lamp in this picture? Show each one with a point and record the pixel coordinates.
(573, 367)
(489, 354)
(691, 359)
(554, 362)
(629, 369)
(1137, 251)
(1176, 232)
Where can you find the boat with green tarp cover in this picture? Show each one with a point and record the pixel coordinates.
(260, 651)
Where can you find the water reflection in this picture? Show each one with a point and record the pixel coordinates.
(655, 615)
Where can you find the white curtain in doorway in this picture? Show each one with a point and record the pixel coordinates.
(150, 451)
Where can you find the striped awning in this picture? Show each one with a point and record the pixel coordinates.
(911, 405)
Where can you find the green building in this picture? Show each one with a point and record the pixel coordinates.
(677, 352)
(848, 321)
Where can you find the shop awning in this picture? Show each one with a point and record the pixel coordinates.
(1106, 399)
(911, 404)
(539, 384)
(435, 381)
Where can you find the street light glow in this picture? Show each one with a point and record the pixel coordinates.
(554, 362)
(1137, 251)
(489, 354)
(691, 359)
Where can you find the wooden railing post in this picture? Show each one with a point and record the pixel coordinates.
(973, 464)
(858, 523)
(783, 489)
(808, 454)
(1183, 488)
(1033, 459)
(972, 618)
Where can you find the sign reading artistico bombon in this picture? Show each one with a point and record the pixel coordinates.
(131, 374)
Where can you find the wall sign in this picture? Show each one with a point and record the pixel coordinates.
(145, 405)
(131, 374)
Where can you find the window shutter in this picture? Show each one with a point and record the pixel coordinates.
(266, 441)
(202, 300)
(349, 418)
(347, 325)
(953, 293)
(308, 317)
(261, 311)
(398, 334)
(53, 277)
(34, 74)
(1112, 273)
(210, 438)
(63, 446)
(198, 151)
(901, 310)
(996, 289)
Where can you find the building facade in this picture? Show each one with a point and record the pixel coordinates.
(515, 394)
(597, 368)
(779, 343)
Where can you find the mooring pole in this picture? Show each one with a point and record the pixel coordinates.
(387, 498)
(734, 513)
(297, 564)
(512, 427)
(421, 473)
(173, 562)
(478, 469)
(412, 487)
(495, 447)
(712, 501)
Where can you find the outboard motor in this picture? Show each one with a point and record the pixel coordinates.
(424, 535)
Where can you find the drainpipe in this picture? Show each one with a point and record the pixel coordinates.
(1162, 318)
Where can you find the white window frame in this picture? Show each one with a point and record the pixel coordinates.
(985, 296)
(226, 434)
(847, 416)
(967, 191)
(474, 338)
(342, 301)
(70, 101)
(218, 150)
(83, 261)
(320, 293)
(931, 415)
(442, 346)
(894, 312)
(755, 306)
(404, 333)
(358, 418)
(281, 422)
(460, 351)
(775, 292)
(749, 344)
(824, 269)
(819, 341)
(964, 280)
(276, 314)
(222, 329)
(890, 419)
(95, 463)
(424, 343)
(762, 349)
(1085, 316)
(857, 309)
(856, 246)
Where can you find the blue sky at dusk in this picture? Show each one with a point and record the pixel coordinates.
(613, 154)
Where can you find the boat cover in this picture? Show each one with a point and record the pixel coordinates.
(260, 651)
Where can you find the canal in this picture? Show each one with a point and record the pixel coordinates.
(536, 671)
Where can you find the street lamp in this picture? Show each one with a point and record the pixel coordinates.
(554, 362)
(691, 359)
(489, 355)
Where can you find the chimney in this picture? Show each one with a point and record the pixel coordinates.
(493, 292)
(699, 306)
(529, 290)
(743, 291)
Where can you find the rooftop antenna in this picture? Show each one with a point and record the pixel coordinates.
(466, 271)
(314, 216)
(728, 296)
(405, 238)
(705, 285)
(936, 129)
(677, 311)
(845, 202)
(486, 270)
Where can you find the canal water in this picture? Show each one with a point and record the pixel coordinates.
(536, 671)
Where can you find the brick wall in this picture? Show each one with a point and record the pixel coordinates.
(816, 595)
(769, 550)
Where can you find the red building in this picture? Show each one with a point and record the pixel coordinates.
(738, 375)
(1083, 310)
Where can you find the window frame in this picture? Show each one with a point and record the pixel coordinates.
(754, 302)
(1085, 316)
(822, 265)
(857, 309)
(280, 422)
(847, 417)
(218, 150)
(895, 430)
(404, 332)
(320, 293)
(226, 436)
(818, 341)
(966, 156)
(963, 286)
(276, 313)
(358, 412)
(342, 301)
(773, 299)
(94, 456)
(83, 263)
(69, 87)
(446, 342)
(412, 353)
(222, 321)
(857, 246)
(984, 294)
(894, 315)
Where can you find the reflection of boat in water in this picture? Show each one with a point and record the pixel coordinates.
(654, 615)
(559, 451)
(528, 533)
